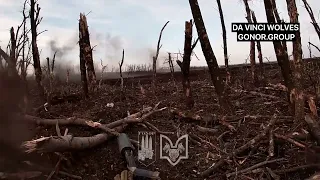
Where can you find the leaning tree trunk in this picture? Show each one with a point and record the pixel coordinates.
(210, 57)
(185, 64)
(35, 50)
(261, 69)
(84, 40)
(252, 46)
(224, 37)
(155, 59)
(281, 53)
(83, 70)
(314, 22)
(297, 63)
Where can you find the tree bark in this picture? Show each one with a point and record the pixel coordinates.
(84, 40)
(35, 50)
(185, 64)
(210, 57)
(224, 36)
(297, 63)
(281, 53)
(252, 46)
(261, 69)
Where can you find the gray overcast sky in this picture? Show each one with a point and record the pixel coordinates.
(135, 25)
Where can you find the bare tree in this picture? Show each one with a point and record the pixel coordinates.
(261, 69)
(84, 40)
(120, 69)
(103, 68)
(314, 22)
(25, 59)
(224, 36)
(155, 58)
(171, 67)
(280, 51)
(34, 22)
(12, 63)
(278, 20)
(210, 57)
(297, 63)
(252, 46)
(185, 64)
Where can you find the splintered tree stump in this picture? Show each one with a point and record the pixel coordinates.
(185, 64)
(86, 50)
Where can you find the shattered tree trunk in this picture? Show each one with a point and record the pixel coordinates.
(252, 46)
(261, 69)
(185, 64)
(35, 50)
(314, 22)
(281, 53)
(224, 37)
(84, 40)
(83, 62)
(297, 63)
(210, 57)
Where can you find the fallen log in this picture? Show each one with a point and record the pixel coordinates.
(314, 127)
(254, 167)
(66, 143)
(70, 143)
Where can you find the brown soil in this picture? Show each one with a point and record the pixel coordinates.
(104, 161)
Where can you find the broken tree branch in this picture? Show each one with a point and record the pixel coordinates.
(241, 149)
(254, 167)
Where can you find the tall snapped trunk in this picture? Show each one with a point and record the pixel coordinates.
(35, 50)
(297, 64)
(252, 46)
(185, 65)
(84, 39)
(261, 69)
(281, 53)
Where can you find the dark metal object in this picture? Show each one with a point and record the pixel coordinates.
(126, 149)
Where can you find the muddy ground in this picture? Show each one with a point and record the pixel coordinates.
(104, 161)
